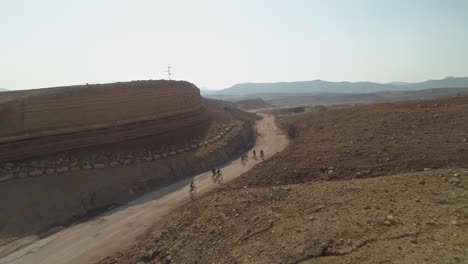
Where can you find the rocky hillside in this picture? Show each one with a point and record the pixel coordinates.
(45, 121)
(371, 140)
(381, 183)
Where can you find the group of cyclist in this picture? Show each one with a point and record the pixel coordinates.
(218, 176)
(245, 157)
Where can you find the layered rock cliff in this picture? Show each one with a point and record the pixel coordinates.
(45, 121)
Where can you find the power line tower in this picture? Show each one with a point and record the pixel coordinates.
(169, 72)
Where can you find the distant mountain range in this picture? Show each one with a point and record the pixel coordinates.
(319, 86)
(3, 89)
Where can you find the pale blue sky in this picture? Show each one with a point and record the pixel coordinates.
(219, 43)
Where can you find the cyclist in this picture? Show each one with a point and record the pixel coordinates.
(254, 154)
(262, 155)
(192, 189)
(214, 175)
(219, 176)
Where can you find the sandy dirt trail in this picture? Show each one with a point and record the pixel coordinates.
(91, 241)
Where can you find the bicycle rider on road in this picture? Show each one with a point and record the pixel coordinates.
(192, 186)
(214, 175)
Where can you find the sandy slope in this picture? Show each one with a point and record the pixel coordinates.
(90, 241)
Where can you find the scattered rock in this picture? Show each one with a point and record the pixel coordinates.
(427, 169)
(99, 166)
(367, 172)
(87, 167)
(148, 159)
(36, 173)
(6, 178)
(8, 166)
(127, 162)
(22, 175)
(156, 157)
(62, 170)
(194, 146)
(454, 180)
(50, 171)
(172, 153)
(114, 164)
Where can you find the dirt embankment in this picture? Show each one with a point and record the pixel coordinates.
(373, 184)
(91, 180)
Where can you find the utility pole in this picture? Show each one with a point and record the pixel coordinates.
(169, 73)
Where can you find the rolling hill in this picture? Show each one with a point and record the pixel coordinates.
(320, 86)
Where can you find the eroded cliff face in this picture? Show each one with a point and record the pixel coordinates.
(45, 121)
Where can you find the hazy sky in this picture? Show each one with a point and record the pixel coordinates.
(218, 43)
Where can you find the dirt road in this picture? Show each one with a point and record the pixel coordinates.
(91, 241)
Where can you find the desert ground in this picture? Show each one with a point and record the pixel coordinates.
(383, 183)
